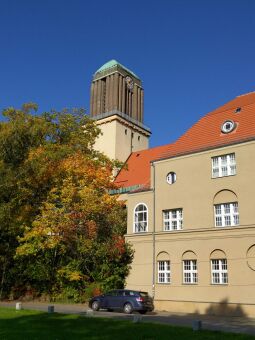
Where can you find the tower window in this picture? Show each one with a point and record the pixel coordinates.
(132, 134)
(138, 137)
(125, 131)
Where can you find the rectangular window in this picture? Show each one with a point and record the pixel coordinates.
(223, 165)
(164, 272)
(219, 271)
(172, 219)
(189, 271)
(226, 214)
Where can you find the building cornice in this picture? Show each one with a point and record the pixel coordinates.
(107, 117)
(201, 150)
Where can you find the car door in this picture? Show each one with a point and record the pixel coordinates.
(107, 300)
(115, 302)
(119, 300)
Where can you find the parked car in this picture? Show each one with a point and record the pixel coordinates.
(123, 299)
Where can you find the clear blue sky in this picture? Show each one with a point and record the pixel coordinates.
(192, 55)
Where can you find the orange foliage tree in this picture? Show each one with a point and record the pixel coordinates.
(69, 229)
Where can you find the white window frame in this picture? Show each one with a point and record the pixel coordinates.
(172, 219)
(140, 225)
(219, 271)
(224, 165)
(226, 214)
(190, 273)
(164, 272)
(171, 177)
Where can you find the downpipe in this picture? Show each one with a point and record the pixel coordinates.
(153, 232)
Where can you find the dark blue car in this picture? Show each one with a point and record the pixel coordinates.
(124, 300)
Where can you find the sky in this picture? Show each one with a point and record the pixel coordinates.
(192, 55)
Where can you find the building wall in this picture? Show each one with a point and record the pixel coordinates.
(120, 138)
(194, 191)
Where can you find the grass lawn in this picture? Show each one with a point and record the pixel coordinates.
(27, 324)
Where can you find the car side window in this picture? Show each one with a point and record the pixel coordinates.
(126, 293)
(120, 293)
(111, 293)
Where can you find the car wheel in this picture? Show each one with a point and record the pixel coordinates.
(95, 305)
(142, 311)
(109, 310)
(128, 309)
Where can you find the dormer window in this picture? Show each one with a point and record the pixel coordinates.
(228, 126)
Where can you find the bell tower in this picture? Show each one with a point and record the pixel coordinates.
(116, 103)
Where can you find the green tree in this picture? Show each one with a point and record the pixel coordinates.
(56, 213)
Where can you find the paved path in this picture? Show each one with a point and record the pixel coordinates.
(228, 324)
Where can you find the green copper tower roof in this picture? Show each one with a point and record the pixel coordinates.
(112, 63)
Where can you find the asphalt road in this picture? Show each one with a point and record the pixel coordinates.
(217, 323)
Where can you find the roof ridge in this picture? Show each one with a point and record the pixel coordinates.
(245, 94)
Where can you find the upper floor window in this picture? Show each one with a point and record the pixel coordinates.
(223, 165)
(140, 218)
(172, 219)
(171, 177)
(190, 271)
(164, 272)
(226, 214)
(219, 270)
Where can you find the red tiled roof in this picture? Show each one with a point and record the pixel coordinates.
(203, 135)
(138, 167)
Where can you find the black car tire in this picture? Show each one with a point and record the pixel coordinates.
(128, 308)
(142, 311)
(95, 305)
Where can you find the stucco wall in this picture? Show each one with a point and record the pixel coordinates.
(194, 191)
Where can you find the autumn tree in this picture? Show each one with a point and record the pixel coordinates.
(62, 232)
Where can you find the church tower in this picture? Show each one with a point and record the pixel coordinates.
(116, 103)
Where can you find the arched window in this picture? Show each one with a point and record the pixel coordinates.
(141, 218)
(164, 268)
(189, 263)
(226, 209)
(219, 267)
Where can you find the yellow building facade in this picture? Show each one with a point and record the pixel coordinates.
(190, 204)
(185, 258)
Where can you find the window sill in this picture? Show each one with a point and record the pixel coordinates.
(219, 284)
(163, 283)
(223, 176)
(227, 226)
(189, 284)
